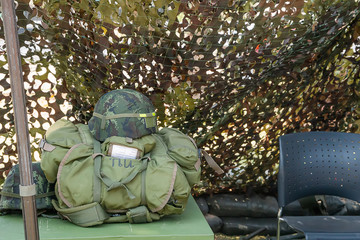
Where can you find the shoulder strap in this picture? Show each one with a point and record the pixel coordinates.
(212, 162)
(16, 195)
(46, 146)
(97, 166)
(150, 118)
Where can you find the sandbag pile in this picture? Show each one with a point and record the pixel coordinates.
(332, 205)
(235, 214)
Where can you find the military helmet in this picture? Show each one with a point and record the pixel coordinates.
(10, 198)
(124, 113)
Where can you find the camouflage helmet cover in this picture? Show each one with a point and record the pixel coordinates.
(124, 113)
(10, 193)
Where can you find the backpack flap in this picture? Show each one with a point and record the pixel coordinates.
(59, 138)
(184, 151)
(122, 168)
(74, 185)
(167, 189)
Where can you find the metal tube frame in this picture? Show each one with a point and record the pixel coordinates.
(278, 230)
(20, 115)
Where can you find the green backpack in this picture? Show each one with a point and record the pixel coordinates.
(121, 179)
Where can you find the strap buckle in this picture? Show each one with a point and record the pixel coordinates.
(46, 146)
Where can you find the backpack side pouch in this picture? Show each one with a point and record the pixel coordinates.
(183, 150)
(59, 138)
(167, 189)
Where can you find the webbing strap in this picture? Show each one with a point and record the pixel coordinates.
(109, 182)
(138, 215)
(46, 146)
(150, 118)
(16, 195)
(117, 218)
(143, 187)
(197, 164)
(115, 184)
(143, 181)
(212, 162)
(97, 165)
(27, 191)
(85, 215)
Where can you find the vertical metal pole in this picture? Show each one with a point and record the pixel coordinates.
(21, 122)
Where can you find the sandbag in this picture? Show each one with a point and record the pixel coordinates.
(334, 205)
(214, 222)
(352, 207)
(295, 209)
(203, 205)
(234, 205)
(245, 225)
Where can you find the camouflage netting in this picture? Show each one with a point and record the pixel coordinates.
(233, 74)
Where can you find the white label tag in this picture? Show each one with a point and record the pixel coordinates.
(123, 152)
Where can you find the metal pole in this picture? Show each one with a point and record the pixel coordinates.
(27, 188)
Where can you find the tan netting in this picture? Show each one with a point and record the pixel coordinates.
(235, 75)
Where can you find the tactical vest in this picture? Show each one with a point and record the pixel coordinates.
(93, 187)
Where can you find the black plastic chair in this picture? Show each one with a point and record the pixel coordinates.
(320, 163)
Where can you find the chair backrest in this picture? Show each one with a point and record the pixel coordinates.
(319, 163)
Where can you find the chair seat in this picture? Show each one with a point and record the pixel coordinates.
(326, 227)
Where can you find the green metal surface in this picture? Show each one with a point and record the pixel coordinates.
(190, 225)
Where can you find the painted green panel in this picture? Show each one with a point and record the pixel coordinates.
(190, 225)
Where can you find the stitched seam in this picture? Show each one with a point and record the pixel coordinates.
(169, 192)
(62, 163)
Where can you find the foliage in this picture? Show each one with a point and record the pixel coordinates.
(233, 74)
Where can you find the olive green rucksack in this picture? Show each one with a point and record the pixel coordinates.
(121, 179)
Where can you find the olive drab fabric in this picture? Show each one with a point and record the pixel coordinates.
(184, 151)
(93, 187)
(124, 113)
(120, 168)
(10, 193)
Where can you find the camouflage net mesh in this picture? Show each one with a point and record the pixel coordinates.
(234, 74)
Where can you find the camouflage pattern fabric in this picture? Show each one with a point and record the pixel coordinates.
(10, 198)
(120, 102)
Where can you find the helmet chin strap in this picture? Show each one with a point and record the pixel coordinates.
(150, 118)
